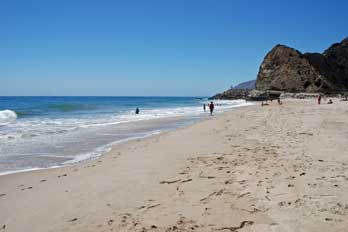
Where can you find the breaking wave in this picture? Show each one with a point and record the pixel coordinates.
(7, 116)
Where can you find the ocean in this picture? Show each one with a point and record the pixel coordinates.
(45, 132)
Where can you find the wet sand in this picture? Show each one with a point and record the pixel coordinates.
(272, 168)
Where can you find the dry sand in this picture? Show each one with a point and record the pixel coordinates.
(272, 168)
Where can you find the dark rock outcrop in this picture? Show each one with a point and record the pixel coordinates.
(287, 69)
(232, 94)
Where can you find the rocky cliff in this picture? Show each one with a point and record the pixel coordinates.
(287, 69)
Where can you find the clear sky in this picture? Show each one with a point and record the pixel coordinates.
(147, 47)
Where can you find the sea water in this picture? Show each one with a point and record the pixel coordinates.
(43, 132)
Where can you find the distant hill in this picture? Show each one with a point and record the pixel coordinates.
(287, 69)
(246, 85)
(240, 91)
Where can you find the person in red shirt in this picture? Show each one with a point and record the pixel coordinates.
(319, 99)
(211, 108)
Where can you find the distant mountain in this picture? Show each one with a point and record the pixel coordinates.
(245, 85)
(240, 91)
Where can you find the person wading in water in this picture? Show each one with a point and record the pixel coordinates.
(319, 99)
(211, 108)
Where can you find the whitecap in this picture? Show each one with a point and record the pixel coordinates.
(7, 116)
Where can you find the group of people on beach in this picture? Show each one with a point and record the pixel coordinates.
(319, 100)
(266, 104)
(211, 107)
(280, 102)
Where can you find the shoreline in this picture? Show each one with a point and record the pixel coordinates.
(104, 149)
(271, 168)
(108, 148)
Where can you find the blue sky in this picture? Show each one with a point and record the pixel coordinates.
(147, 47)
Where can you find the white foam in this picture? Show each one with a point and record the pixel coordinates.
(148, 114)
(39, 132)
(36, 127)
(84, 157)
(7, 116)
(27, 170)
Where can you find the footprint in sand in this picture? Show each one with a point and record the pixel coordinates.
(62, 175)
(73, 220)
(228, 182)
(235, 228)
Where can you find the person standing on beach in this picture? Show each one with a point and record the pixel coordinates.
(319, 99)
(137, 110)
(211, 108)
(204, 107)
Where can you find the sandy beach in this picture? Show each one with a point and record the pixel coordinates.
(272, 168)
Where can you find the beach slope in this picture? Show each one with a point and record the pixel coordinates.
(272, 168)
